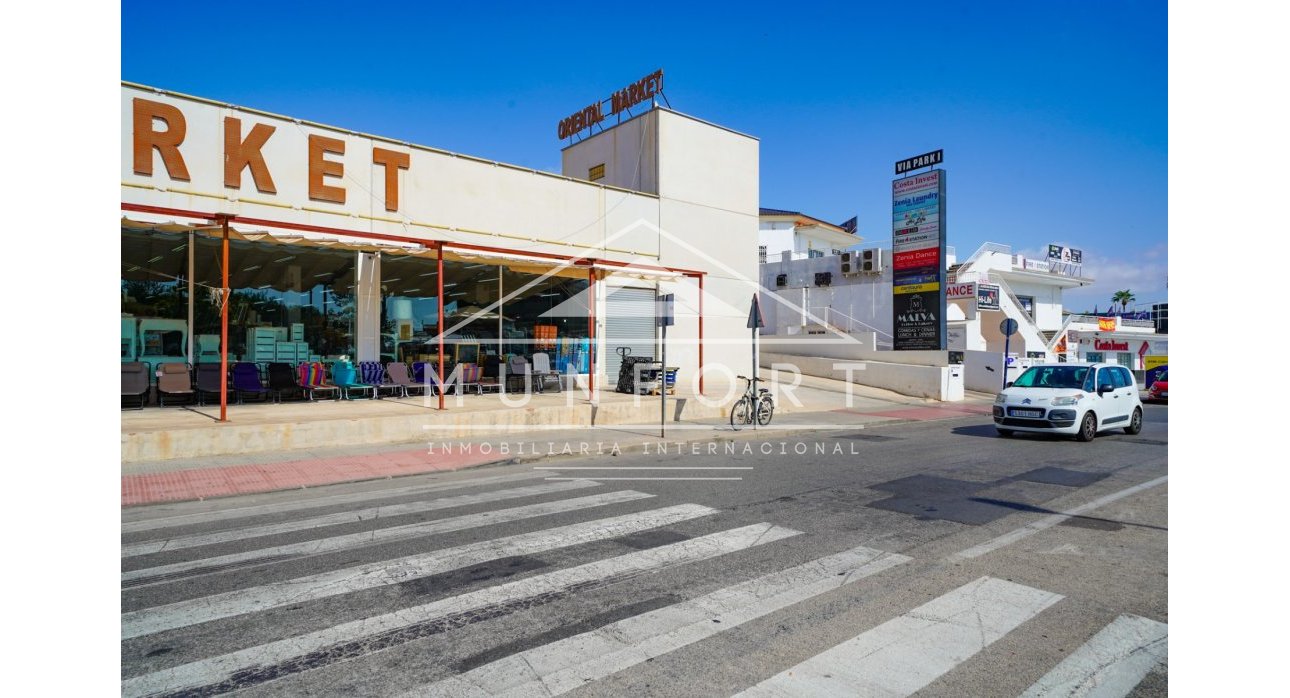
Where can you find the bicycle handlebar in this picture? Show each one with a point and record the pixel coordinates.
(759, 380)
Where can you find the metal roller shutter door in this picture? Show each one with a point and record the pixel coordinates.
(629, 322)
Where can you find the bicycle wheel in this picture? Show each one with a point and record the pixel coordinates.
(739, 414)
(765, 410)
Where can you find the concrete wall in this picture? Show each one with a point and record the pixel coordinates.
(629, 152)
(934, 382)
(859, 348)
(709, 189)
(983, 371)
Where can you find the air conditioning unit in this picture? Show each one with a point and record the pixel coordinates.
(849, 263)
(823, 278)
(781, 280)
(871, 261)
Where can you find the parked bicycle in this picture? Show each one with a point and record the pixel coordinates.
(753, 404)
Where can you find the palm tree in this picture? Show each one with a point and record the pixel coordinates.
(1124, 298)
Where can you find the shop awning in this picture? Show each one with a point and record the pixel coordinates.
(516, 261)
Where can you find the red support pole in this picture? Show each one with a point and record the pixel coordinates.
(223, 333)
(701, 334)
(441, 327)
(591, 332)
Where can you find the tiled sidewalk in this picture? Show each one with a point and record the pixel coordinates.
(183, 485)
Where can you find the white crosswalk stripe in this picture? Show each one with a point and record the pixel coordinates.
(906, 653)
(384, 535)
(344, 581)
(181, 542)
(281, 507)
(1109, 665)
(617, 635)
(562, 666)
(275, 659)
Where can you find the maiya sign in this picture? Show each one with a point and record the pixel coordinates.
(918, 254)
(620, 101)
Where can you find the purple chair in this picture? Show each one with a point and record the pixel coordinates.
(246, 380)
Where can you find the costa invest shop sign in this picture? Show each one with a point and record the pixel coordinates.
(620, 101)
(918, 254)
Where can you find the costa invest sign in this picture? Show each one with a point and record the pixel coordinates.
(620, 101)
(925, 160)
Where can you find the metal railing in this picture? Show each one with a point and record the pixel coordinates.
(828, 313)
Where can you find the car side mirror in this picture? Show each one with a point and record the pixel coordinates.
(1009, 385)
(1103, 390)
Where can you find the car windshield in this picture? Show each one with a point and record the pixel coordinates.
(1164, 376)
(1053, 377)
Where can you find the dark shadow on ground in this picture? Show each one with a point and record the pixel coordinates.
(1019, 506)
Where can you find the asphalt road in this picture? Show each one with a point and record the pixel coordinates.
(928, 557)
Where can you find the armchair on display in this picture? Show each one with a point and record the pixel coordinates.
(135, 382)
(398, 373)
(373, 373)
(345, 377)
(517, 368)
(543, 373)
(246, 381)
(283, 381)
(174, 381)
(210, 379)
(312, 379)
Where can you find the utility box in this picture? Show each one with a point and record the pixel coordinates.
(953, 389)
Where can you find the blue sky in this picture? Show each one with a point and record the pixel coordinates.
(1053, 115)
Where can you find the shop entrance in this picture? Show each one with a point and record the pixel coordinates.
(629, 322)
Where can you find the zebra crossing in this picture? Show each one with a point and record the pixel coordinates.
(219, 573)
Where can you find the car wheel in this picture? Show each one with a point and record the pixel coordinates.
(1005, 433)
(1087, 428)
(1135, 422)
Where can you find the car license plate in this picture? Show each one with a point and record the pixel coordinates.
(1027, 413)
(1164, 394)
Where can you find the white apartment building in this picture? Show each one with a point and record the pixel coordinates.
(802, 236)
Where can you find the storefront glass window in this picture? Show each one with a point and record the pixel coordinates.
(538, 314)
(154, 296)
(288, 303)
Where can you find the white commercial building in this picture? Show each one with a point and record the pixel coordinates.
(343, 244)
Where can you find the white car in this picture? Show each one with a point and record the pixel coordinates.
(1077, 399)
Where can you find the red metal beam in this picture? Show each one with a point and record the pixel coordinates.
(701, 334)
(440, 277)
(591, 332)
(223, 332)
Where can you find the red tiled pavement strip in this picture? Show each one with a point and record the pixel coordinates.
(928, 413)
(202, 483)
